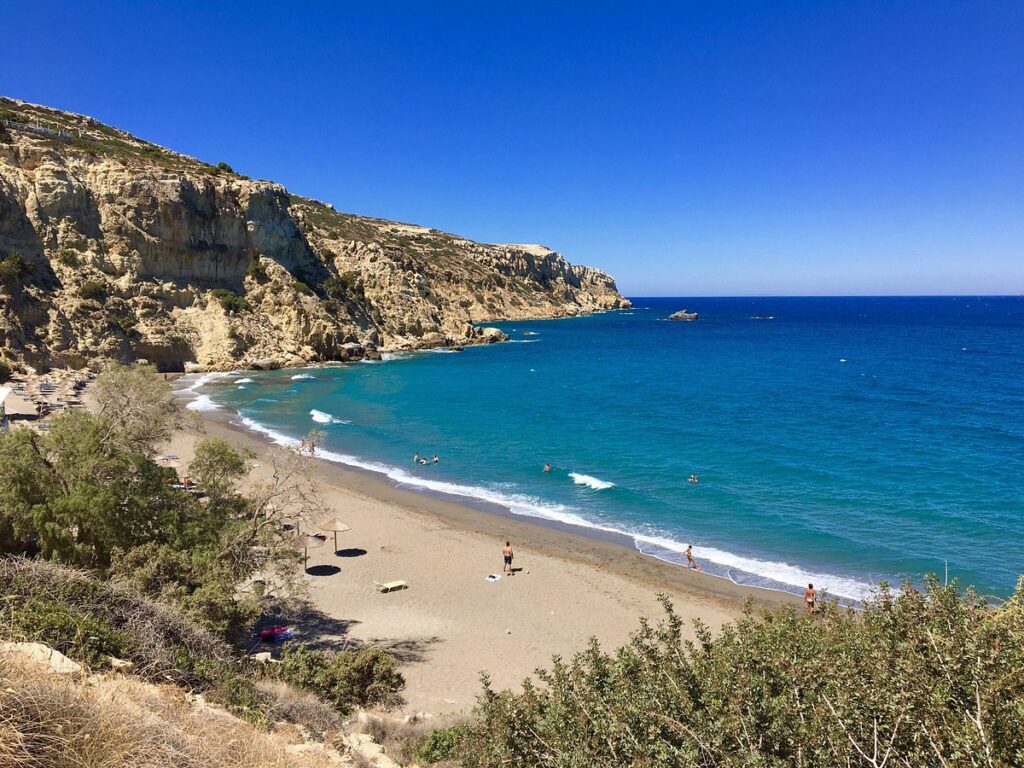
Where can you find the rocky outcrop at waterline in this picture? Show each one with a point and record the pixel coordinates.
(112, 248)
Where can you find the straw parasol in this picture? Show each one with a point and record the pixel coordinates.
(336, 526)
(305, 542)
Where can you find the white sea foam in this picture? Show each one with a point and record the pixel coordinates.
(591, 482)
(300, 376)
(322, 417)
(522, 341)
(195, 382)
(246, 380)
(780, 573)
(202, 403)
(764, 573)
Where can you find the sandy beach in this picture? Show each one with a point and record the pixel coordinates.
(452, 624)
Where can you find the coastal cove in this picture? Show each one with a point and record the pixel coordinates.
(452, 624)
(741, 398)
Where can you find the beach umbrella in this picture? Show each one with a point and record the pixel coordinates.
(306, 543)
(336, 526)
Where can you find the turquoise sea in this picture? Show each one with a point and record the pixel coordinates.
(836, 440)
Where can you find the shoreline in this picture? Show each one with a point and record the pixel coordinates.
(455, 623)
(609, 550)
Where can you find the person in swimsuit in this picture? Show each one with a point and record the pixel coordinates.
(690, 562)
(810, 598)
(547, 467)
(506, 553)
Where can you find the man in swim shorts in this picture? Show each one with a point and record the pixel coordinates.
(507, 554)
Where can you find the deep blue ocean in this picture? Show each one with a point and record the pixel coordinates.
(839, 441)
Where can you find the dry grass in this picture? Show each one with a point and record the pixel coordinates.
(159, 635)
(48, 721)
(402, 739)
(288, 703)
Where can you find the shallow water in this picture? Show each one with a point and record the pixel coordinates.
(837, 440)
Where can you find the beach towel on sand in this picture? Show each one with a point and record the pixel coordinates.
(276, 634)
(493, 577)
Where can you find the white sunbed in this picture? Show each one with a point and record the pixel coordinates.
(390, 586)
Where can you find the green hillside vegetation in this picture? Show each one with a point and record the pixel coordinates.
(932, 678)
(105, 559)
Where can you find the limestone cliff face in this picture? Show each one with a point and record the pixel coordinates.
(113, 248)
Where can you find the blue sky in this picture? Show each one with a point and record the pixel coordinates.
(687, 148)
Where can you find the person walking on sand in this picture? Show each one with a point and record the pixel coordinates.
(810, 599)
(690, 562)
(506, 553)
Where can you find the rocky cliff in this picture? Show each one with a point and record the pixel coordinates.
(112, 248)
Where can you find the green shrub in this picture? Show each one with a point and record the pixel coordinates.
(126, 323)
(5, 372)
(93, 289)
(76, 635)
(230, 302)
(347, 679)
(343, 286)
(222, 166)
(88, 619)
(443, 744)
(300, 287)
(68, 257)
(13, 268)
(909, 678)
(257, 271)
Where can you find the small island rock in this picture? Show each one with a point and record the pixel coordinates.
(682, 314)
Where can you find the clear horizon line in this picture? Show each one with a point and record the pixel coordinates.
(829, 296)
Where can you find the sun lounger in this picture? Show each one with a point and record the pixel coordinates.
(390, 586)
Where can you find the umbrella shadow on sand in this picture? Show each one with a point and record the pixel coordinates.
(323, 570)
(350, 552)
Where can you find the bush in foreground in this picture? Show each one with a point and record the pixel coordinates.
(368, 677)
(932, 678)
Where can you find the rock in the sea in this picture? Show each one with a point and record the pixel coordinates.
(682, 314)
(491, 335)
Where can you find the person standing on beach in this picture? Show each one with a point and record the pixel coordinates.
(810, 598)
(506, 553)
(690, 562)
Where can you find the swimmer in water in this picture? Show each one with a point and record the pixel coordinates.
(436, 460)
(693, 479)
(416, 458)
(547, 467)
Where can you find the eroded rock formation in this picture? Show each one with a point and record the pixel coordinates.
(112, 248)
